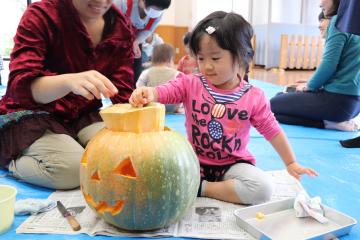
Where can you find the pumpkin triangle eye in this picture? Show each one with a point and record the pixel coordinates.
(126, 169)
(95, 176)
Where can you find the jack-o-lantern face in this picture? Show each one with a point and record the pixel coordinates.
(139, 181)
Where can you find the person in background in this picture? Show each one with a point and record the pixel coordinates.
(330, 99)
(348, 20)
(145, 15)
(147, 48)
(220, 109)
(323, 24)
(1, 66)
(161, 70)
(329, 7)
(187, 64)
(61, 64)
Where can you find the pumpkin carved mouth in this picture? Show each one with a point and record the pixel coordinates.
(102, 207)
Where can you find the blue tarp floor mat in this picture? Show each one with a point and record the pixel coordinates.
(338, 183)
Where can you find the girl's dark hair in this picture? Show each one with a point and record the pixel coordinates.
(232, 32)
(163, 53)
(162, 4)
(321, 16)
(186, 38)
(334, 9)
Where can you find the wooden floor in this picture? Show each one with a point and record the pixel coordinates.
(279, 77)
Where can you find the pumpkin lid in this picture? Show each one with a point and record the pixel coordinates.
(125, 118)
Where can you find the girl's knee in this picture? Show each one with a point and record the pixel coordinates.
(254, 192)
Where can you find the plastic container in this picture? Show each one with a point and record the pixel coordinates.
(7, 203)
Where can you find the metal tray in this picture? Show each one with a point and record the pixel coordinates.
(280, 222)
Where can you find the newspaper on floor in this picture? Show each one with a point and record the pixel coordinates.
(207, 218)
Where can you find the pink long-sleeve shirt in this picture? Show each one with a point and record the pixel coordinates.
(218, 121)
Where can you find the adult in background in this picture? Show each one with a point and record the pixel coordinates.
(1, 66)
(59, 68)
(348, 20)
(145, 15)
(332, 95)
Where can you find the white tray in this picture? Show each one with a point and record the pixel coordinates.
(280, 222)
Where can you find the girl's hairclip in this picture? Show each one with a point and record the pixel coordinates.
(210, 30)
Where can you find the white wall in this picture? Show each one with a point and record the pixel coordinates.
(190, 12)
(179, 13)
(260, 12)
(285, 11)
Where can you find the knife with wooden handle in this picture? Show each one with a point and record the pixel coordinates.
(70, 218)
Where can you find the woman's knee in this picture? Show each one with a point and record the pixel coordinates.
(58, 159)
(65, 171)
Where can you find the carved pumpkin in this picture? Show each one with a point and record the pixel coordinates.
(137, 175)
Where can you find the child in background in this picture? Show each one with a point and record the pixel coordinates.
(147, 48)
(187, 64)
(220, 108)
(161, 70)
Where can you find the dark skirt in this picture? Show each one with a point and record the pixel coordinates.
(18, 130)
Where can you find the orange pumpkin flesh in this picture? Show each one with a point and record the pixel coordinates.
(139, 180)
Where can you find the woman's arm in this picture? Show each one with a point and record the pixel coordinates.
(88, 84)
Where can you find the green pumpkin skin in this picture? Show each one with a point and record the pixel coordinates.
(161, 189)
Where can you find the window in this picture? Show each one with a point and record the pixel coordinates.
(10, 15)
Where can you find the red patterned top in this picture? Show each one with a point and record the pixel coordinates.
(51, 40)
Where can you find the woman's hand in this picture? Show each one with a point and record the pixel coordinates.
(301, 87)
(91, 84)
(142, 96)
(296, 170)
(136, 50)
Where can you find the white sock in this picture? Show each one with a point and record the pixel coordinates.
(348, 126)
(203, 185)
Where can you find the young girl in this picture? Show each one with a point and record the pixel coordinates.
(220, 108)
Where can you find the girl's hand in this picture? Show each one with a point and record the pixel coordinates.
(91, 84)
(142, 96)
(296, 170)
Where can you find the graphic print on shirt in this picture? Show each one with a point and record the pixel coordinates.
(217, 107)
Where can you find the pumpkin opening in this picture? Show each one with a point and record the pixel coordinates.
(84, 159)
(117, 207)
(102, 207)
(126, 169)
(125, 118)
(95, 176)
(89, 200)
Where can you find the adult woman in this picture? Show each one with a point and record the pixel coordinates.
(58, 71)
(145, 15)
(333, 92)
